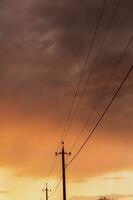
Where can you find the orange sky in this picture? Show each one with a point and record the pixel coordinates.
(43, 47)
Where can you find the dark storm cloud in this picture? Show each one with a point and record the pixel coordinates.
(43, 44)
(70, 23)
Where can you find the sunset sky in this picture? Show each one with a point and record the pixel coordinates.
(43, 47)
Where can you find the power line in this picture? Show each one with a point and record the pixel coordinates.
(79, 82)
(55, 160)
(56, 188)
(93, 66)
(71, 113)
(52, 168)
(69, 120)
(50, 172)
(83, 70)
(103, 91)
(102, 116)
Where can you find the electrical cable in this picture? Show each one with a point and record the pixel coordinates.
(93, 66)
(102, 116)
(102, 92)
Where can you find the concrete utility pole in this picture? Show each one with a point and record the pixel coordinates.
(63, 168)
(46, 190)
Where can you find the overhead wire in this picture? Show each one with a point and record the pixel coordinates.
(102, 115)
(53, 193)
(94, 64)
(54, 162)
(102, 93)
(71, 112)
(79, 82)
(83, 71)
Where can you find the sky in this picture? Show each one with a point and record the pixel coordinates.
(43, 47)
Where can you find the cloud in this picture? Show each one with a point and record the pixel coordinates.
(113, 178)
(78, 181)
(116, 178)
(4, 191)
(43, 46)
(113, 196)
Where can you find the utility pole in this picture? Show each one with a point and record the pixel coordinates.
(46, 190)
(63, 153)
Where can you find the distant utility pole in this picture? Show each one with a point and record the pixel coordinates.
(46, 190)
(63, 168)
